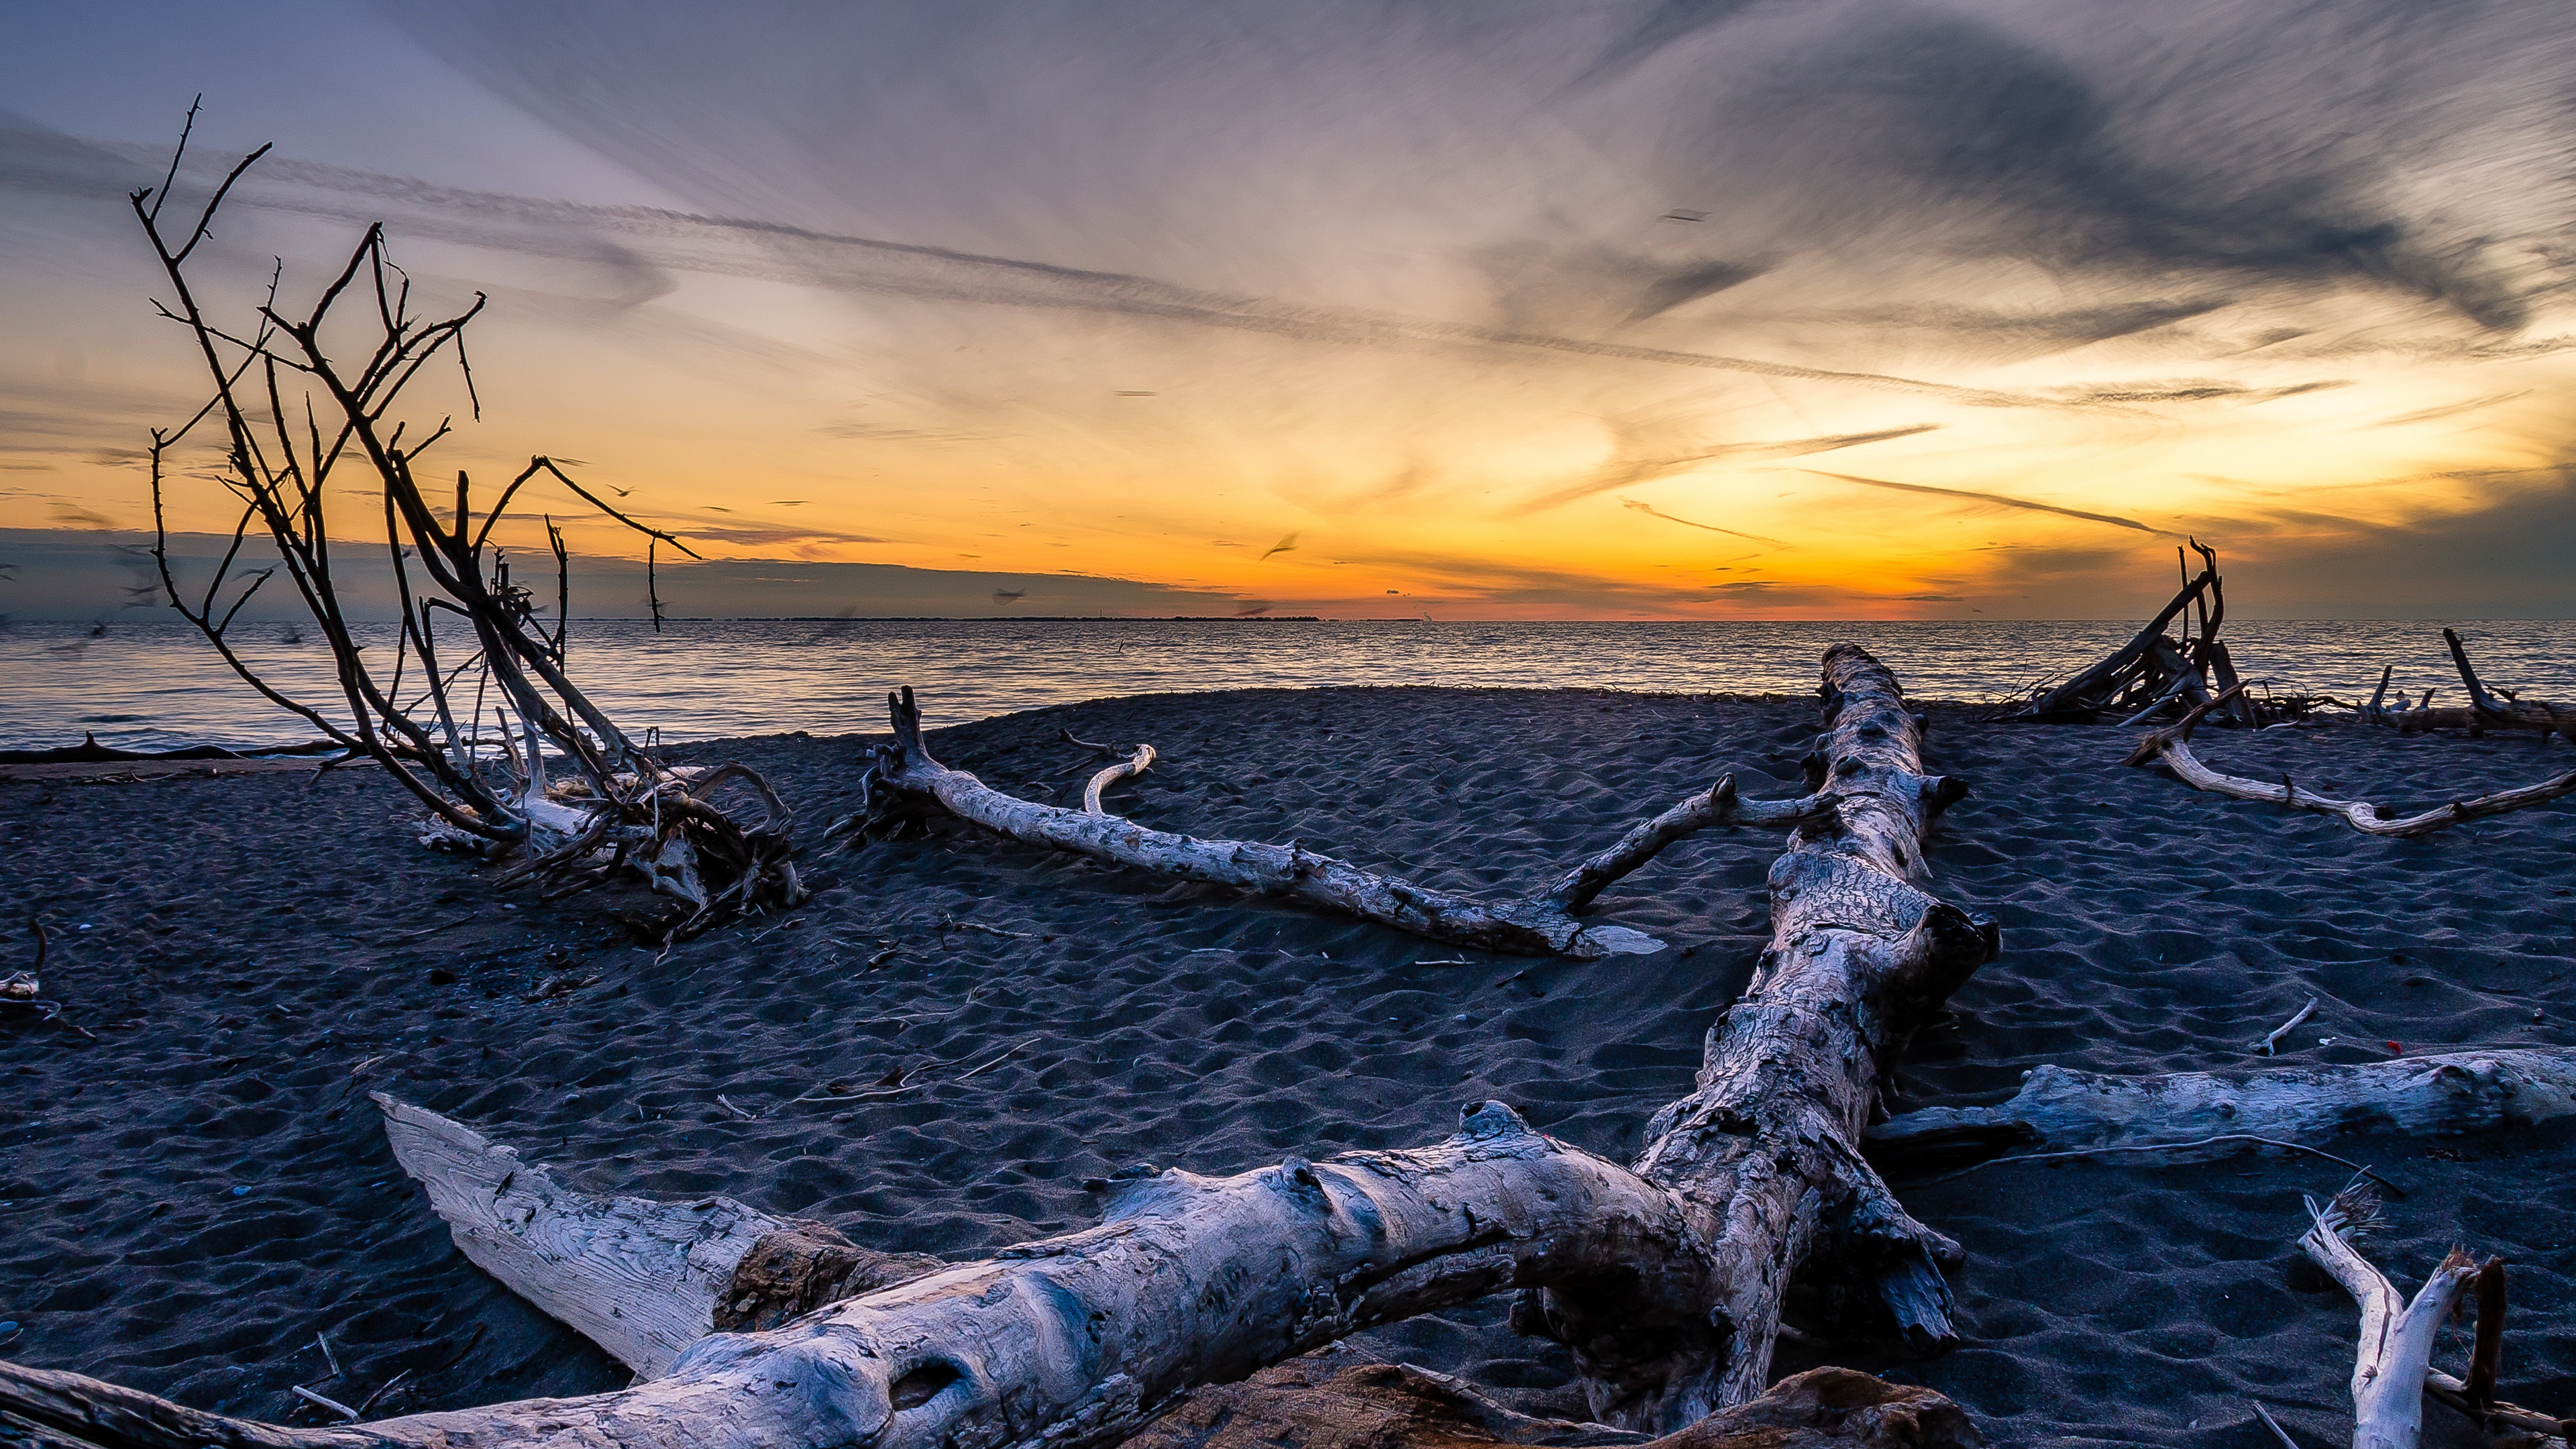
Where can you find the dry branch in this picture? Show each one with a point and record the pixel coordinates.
(905, 784)
(2171, 747)
(2453, 1092)
(1134, 765)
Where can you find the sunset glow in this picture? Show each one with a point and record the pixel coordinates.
(1593, 313)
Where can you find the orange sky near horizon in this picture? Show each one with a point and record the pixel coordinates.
(1604, 384)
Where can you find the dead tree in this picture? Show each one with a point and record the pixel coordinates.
(905, 785)
(296, 421)
(1666, 1279)
(2171, 747)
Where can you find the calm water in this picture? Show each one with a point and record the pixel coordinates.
(157, 684)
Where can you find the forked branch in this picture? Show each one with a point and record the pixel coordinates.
(2171, 747)
(905, 784)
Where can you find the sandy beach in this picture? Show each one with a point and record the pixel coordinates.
(194, 1190)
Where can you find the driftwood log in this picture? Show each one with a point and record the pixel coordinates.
(1666, 1280)
(2487, 709)
(2155, 671)
(906, 784)
(2171, 747)
(2435, 1095)
(1861, 955)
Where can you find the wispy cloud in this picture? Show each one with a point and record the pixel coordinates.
(1997, 499)
(1652, 511)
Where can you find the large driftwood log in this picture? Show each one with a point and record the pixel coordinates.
(1666, 1281)
(1768, 1145)
(2452, 1092)
(1076, 1341)
(906, 782)
(2171, 747)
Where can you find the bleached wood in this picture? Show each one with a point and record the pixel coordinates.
(1540, 925)
(1073, 1342)
(1133, 765)
(2395, 1346)
(2438, 1094)
(639, 1278)
(2171, 747)
(1768, 1145)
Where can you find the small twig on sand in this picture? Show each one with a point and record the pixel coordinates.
(901, 1080)
(2275, 1426)
(1086, 744)
(2169, 1147)
(2268, 1043)
(426, 931)
(328, 1356)
(1460, 961)
(334, 1405)
(951, 923)
(995, 1062)
(380, 1393)
(736, 1110)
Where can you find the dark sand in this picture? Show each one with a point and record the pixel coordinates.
(186, 1200)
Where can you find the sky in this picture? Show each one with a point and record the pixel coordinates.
(1619, 309)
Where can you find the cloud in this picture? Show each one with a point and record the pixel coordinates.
(1629, 467)
(1653, 512)
(1997, 499)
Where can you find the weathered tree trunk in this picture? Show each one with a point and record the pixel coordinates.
(1076, 1341)
(2171, 747)
(1667, 1284)
(1768, 1146)
(2454, 1092)
(906, 782)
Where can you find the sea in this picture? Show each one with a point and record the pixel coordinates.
(158, 684)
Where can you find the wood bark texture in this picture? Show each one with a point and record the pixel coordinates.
(2171, 748)
(2397, 1336)
(640, 1278)
(1128, 768)
(2439, 1094)
(906, 782)
(1767, 1147)
(1078, 1340)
